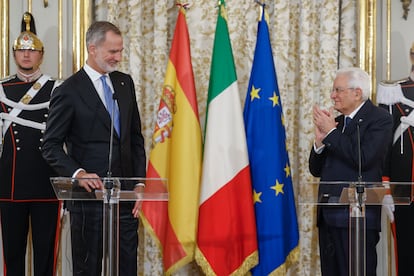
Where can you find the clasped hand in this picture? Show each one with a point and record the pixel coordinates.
(324, 122)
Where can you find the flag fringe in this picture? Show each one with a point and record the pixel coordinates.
(292, 258)
(251, 261)
(177, 265)
(202, 262)
(151, 232)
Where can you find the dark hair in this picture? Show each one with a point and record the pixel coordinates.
(96, 32)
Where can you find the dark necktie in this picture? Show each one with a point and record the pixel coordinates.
(347, 121)
(110, 104)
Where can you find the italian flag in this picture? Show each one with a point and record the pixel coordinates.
(176, 156)
(226, 227)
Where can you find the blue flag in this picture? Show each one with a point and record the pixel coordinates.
(276, 221)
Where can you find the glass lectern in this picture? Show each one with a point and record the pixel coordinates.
(115, 190)
(356, 196)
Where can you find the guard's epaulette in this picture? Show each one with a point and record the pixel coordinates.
(402, 80)
(393, 82)
(390, 93)
(7, 78)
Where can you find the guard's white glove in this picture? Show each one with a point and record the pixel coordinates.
(388, 206)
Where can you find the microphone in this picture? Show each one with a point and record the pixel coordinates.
(109, 184)
(360, 187)
(359, 151)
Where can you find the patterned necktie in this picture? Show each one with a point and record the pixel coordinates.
(109, 103)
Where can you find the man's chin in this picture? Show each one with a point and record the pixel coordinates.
(25, 69)
(112, 68)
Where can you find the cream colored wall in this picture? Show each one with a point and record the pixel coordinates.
(401, 40)
(46, 19)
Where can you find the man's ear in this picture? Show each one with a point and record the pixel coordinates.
(91, 49)
(358, 92)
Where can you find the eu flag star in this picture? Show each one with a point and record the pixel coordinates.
(278, 188)
(274, 99)
(256, 196)
(254, 94)
(287, 170)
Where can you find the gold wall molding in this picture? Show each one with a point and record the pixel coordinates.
(367, 39)
(82, 16)
(4, 36)
(60, 39)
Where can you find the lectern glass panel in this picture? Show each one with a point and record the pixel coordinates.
(338, 201)
(115, 191)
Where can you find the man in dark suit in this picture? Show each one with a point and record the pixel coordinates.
(335, 157)
(79, 120)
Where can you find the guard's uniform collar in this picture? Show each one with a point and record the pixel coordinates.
(29, 77)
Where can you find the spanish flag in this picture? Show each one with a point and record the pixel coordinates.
(176, 156)
(226, 229)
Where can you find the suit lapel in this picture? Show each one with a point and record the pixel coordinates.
(90, 97)
(119, 85)
(362, 114)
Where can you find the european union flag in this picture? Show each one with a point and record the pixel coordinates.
(276, 221)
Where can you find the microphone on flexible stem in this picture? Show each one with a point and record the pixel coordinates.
(109, 184)
(360, 187)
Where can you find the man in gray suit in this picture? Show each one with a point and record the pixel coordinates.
(78, 119)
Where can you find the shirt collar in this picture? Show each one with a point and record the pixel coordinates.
(353, 113)
(92, 73)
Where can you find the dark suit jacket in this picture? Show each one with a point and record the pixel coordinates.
(339, 160)
(78, 119)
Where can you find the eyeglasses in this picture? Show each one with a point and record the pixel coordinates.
(340, 89)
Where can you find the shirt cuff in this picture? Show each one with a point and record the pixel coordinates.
(318, 150)
(77, 171)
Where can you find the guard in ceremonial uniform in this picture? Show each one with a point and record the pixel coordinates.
(398, 98)
(26, 194)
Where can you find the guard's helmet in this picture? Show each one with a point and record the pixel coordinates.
(28, 40)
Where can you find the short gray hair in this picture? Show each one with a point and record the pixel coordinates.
(357, 78)
(96, 32)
